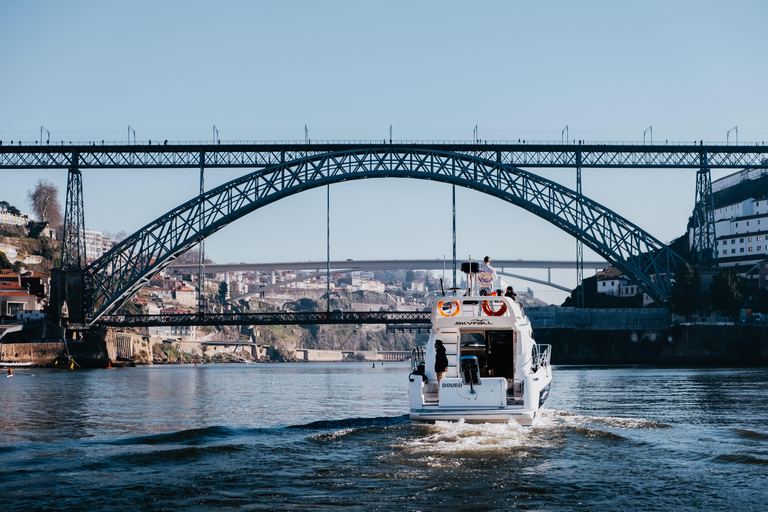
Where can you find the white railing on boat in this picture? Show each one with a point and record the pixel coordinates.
(541, 355)
(417, 357)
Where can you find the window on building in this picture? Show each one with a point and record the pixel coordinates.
(741, 249)
(750, 249)
(725, 251)
(733, 241)
(758, 238)
(749, 239)
(758, 247)
(741, 240)
(737, 224)
(733, 251)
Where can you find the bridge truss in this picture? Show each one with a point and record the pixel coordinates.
(608, 155)
(289, 169)
(396, 319)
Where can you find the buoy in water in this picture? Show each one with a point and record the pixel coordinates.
(374, 365)
(10, 372)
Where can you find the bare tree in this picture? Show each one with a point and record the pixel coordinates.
(45, 203)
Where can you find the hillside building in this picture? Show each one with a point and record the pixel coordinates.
(741, 220)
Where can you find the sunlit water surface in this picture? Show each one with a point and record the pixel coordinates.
(336, 435)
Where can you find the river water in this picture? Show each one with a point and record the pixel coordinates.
(336, 436)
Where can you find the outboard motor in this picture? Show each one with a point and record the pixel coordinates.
(470, 371)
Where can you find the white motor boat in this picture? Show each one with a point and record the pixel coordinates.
(496, 371)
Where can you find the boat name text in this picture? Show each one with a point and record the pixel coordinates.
(474, 322)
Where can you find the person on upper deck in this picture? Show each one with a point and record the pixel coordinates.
(485, 282)
(510, 292)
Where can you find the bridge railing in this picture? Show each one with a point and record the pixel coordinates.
(412, 142)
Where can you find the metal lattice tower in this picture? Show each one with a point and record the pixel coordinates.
(704, 250)
(579, 243)
(73, 244)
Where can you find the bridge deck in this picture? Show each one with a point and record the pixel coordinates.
(389, 318)
(111, 155)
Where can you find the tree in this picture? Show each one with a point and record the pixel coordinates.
(4, 205)
(45, 202)
(5, 263)
(686, 290)
(223, 291)
(35, 229)
(726, 292)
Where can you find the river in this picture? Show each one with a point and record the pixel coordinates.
(327, 436)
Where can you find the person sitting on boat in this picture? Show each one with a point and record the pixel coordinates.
(486, 276)
(441, 361)
(510, 292)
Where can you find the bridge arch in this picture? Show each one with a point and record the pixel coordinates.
(122, 271)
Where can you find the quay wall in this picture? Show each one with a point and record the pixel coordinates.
(681, 345)
(304, 354)
(87, 354)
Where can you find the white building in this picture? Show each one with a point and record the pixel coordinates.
(94, 244)
(741, 225)
(14, 220)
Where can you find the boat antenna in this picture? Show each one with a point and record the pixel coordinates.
(442, 288)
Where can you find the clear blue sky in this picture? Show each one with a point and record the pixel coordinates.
(85, 70)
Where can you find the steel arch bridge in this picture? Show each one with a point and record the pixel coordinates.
(121, 272)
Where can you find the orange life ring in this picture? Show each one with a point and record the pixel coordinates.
(490, 312)
(453, 310)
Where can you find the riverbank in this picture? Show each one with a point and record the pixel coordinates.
(682, 345)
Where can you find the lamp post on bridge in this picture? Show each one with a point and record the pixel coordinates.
(728, 133)
(41, 135)
(564, 133)
(646, 130)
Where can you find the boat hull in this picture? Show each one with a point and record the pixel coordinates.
(521, 416)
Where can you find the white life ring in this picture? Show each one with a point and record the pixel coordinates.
(453, 307)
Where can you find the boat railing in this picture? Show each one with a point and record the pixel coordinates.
(541, 355)
(417, 357)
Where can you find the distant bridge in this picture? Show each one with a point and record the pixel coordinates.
(352, 266)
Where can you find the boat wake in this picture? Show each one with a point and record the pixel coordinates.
(553, 418)
(480, 438)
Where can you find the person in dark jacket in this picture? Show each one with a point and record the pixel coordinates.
(441, 361)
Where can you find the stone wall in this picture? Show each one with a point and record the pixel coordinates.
(697, 345)
(86, 354)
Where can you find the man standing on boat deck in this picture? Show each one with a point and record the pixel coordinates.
(491, 275)
(441, 361)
